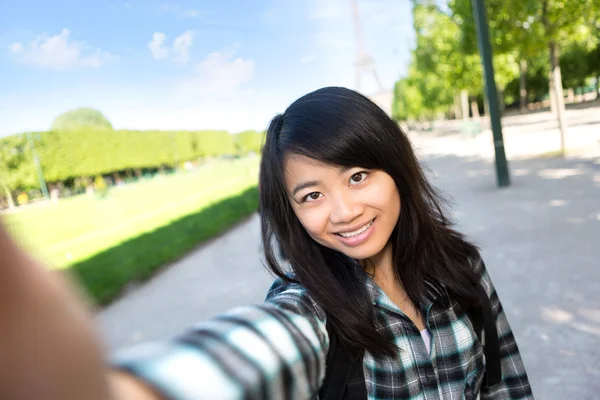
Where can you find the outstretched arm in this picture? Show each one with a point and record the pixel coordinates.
(50, 348)
(271, 351)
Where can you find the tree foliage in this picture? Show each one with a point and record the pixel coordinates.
(14, 152)
(439, 66)
(16, 166)
(440, 49)
(248, 142)
(80, 118)
(521, 32)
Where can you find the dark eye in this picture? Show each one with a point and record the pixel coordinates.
(312, 196)
(358, 177)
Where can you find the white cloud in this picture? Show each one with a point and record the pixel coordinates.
(220, 75)
(181, 46)
(180, 49)
(156, 46)
(167, 8)
(16, 48)
(96, 59)
(59, 53)
(172, 8)
(189, 14)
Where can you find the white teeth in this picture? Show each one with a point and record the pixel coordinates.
(358, 232)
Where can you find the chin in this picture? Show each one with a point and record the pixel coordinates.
(360, 253)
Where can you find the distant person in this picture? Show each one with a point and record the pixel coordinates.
(384, 299)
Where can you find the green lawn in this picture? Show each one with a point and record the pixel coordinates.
(79, 228)
(105, 274)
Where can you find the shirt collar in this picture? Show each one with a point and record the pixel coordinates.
(380, 299)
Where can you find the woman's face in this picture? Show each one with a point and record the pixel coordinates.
(351, 210)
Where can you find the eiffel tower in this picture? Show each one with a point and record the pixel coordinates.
(365, 64)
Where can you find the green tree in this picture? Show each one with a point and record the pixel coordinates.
(552, 22)
(248, 142)
(593, 57)
(80, 118)
(413, 96)
(407, 102)
(506, 69)
(593, 61)
(16, 166)
(574, 65)
(536, 76)
(512, 35)
(440, 54)
(559, 19)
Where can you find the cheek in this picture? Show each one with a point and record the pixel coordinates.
(314, 222)
(383, 197)
(389, 201)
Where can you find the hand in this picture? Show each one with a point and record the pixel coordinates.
(49, 348)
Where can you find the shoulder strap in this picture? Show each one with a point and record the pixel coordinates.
(344, 376)
(482, 319)
(493, 370)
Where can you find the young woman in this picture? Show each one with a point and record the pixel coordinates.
(369, 268)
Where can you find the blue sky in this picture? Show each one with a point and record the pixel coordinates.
(227, 64)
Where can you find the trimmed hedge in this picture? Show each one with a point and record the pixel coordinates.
(89, 152)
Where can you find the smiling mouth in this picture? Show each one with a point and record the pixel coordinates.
(356, 232)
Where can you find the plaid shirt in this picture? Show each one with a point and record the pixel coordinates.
(277, 350)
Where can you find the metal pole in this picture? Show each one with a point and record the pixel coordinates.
(483, 40)
(38, 167)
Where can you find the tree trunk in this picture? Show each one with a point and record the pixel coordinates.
(501, 102)
(8, 194)
(523, 86)
(457, 110)
(486, 105)
(552, 97)
(464, 101)
(475, 109)
(557, 89)
(597, 86)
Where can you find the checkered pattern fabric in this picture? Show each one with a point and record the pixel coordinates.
(277, 350)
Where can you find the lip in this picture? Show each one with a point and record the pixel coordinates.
(357, 227)
(358, 239)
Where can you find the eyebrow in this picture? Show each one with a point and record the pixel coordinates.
(304, 185)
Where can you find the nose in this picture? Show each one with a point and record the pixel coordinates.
(345, 209)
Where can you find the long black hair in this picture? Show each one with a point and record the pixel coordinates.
(344, 128)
